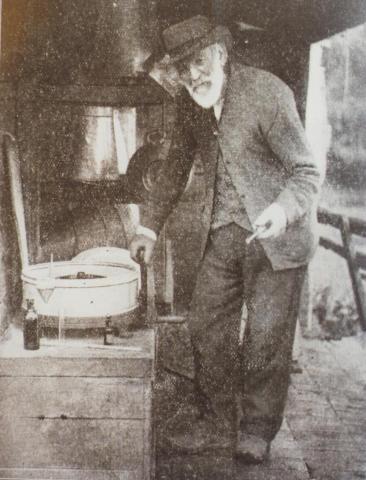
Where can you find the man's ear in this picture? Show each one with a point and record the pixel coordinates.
(223, 55)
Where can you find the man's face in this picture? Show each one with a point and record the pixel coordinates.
(202, 74)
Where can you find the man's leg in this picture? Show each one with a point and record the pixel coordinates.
(214, 327)
(272, 300)
(214, 320)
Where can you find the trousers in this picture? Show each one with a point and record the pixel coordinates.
(246, 381)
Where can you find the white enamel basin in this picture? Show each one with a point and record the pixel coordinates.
(103, 289)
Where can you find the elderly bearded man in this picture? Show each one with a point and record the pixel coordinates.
(260, 176)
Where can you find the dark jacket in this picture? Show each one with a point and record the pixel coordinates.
(267, 156)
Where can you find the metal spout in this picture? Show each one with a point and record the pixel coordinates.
(45, 287)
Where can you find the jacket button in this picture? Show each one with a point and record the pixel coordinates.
(216, 133)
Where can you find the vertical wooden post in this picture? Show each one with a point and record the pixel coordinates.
(358, 288)
(1, 11)
(10, 283)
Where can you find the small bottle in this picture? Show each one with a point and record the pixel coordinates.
(108, 331)
(31, 327)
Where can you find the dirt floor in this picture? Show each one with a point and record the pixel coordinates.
(323, 436)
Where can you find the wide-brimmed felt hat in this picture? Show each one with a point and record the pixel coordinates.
(187, 37)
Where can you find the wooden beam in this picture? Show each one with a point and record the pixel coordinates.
(305, 20)
(357, 283)
(330, 245)
(357, 226)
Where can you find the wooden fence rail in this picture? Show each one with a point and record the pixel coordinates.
(356, 260)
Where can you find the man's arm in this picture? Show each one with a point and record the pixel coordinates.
(286, 137)
(168, 188)
(173, 174)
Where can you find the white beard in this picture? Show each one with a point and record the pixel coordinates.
(211, 94)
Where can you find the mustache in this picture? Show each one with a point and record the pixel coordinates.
(198, 83)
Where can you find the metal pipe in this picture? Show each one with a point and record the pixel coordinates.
(12, 156)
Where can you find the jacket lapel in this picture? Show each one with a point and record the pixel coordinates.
(224, 135)
(231, 116)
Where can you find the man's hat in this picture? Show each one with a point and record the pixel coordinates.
(182, 39)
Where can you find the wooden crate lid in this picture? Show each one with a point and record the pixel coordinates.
(131, 357)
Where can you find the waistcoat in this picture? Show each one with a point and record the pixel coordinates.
(227, 206)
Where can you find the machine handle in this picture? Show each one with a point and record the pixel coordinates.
(141, 255)
(147, 291)
(143, 290)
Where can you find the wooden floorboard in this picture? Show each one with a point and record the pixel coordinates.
(324, 434)
(327, 416)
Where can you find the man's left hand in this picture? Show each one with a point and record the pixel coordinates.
(271, 222)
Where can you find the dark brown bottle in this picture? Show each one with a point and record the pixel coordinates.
(108, 331)
(31, 327)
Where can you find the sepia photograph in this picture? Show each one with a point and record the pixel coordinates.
(182, 239)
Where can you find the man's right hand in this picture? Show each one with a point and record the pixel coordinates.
(141, 242)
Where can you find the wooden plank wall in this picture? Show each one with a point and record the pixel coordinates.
(9, 257)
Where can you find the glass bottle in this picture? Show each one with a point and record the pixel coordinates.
(31, 327)
(108, 331)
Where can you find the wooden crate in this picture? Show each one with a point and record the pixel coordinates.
(74, 412)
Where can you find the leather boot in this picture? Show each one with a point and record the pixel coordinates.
(196, 434)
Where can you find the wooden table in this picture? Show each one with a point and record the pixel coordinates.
(72, 411)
